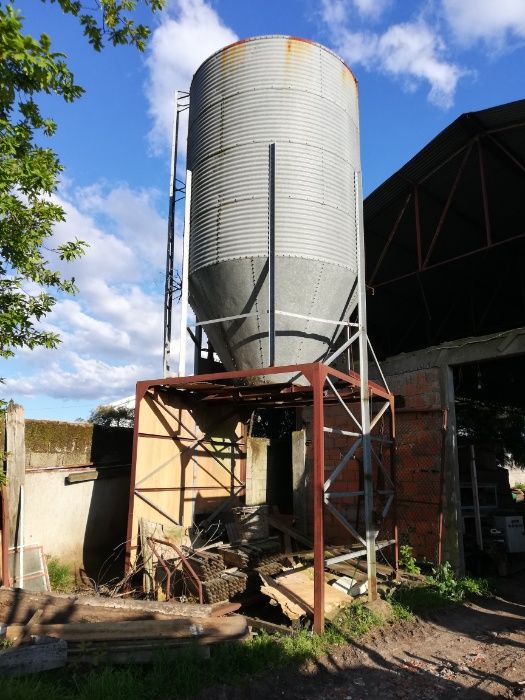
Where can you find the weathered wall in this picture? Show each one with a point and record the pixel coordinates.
(58, 443)
(420, 460)
(80, 523)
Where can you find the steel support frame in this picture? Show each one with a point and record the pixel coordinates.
(424, 263)
(177, 192)
(322, 380)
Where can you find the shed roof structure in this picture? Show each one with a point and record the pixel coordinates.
(445, 236)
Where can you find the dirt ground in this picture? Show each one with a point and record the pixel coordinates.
(471, 651)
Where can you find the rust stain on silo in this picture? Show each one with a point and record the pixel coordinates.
(232, 52)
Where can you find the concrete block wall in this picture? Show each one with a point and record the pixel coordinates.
(79, 523)
(256, 470)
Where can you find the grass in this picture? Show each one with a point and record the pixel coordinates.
(61, 578)
(439, 590)
(184, 674)
(234, 662)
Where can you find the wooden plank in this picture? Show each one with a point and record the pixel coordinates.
(197, 630)
(267, 626)
(295, 594)
(278, 525)
(220, 609)
(16, 463)
(35, 617)
(43, 655)
(97, 473)
(14, 603)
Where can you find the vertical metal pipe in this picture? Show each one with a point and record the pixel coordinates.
(271, 255)
(198, 350)
(368, 485)
(318, 378)
(185, 272)
(475, 496)
(170, 252)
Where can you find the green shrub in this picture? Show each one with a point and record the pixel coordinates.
(61, 578)
(440, 589)
(455, 589)
(407, 561)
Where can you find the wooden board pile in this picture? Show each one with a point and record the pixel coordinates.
(103, 629)
(252, 521)
(244, 562)
(250, 555)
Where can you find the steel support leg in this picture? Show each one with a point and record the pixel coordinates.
(368, 487)
(318, 379)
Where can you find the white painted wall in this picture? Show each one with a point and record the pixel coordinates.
(79, 523)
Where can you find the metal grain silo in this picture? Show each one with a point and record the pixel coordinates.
(301, 97)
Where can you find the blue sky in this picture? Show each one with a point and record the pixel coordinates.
(419, 64)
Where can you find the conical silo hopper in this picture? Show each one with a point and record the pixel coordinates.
(301, 97)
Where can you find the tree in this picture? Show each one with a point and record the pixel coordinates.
(113, 416)
(29, 172)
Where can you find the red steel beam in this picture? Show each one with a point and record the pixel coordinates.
(447, 204)
(318, 377)
(484, 193)
(450, 260)
(390, 238)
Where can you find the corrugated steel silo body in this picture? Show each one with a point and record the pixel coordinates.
(302, 97)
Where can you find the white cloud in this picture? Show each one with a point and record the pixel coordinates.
(112, 330)
(334, 12)
(412, 52)
(371, 9)
(77, 377)
(495, 22)
(337, 11)
(189, 32)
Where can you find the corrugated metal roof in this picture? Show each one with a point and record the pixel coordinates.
(442, 147)
(444, 236)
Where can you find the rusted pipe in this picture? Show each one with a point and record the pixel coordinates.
(185, 563)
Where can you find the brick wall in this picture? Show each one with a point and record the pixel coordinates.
(418, 466)
(350, 479)
(419, 460)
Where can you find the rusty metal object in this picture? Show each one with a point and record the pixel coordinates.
(184, 561)
(326, 386)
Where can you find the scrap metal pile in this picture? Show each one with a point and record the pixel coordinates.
(254, 565)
